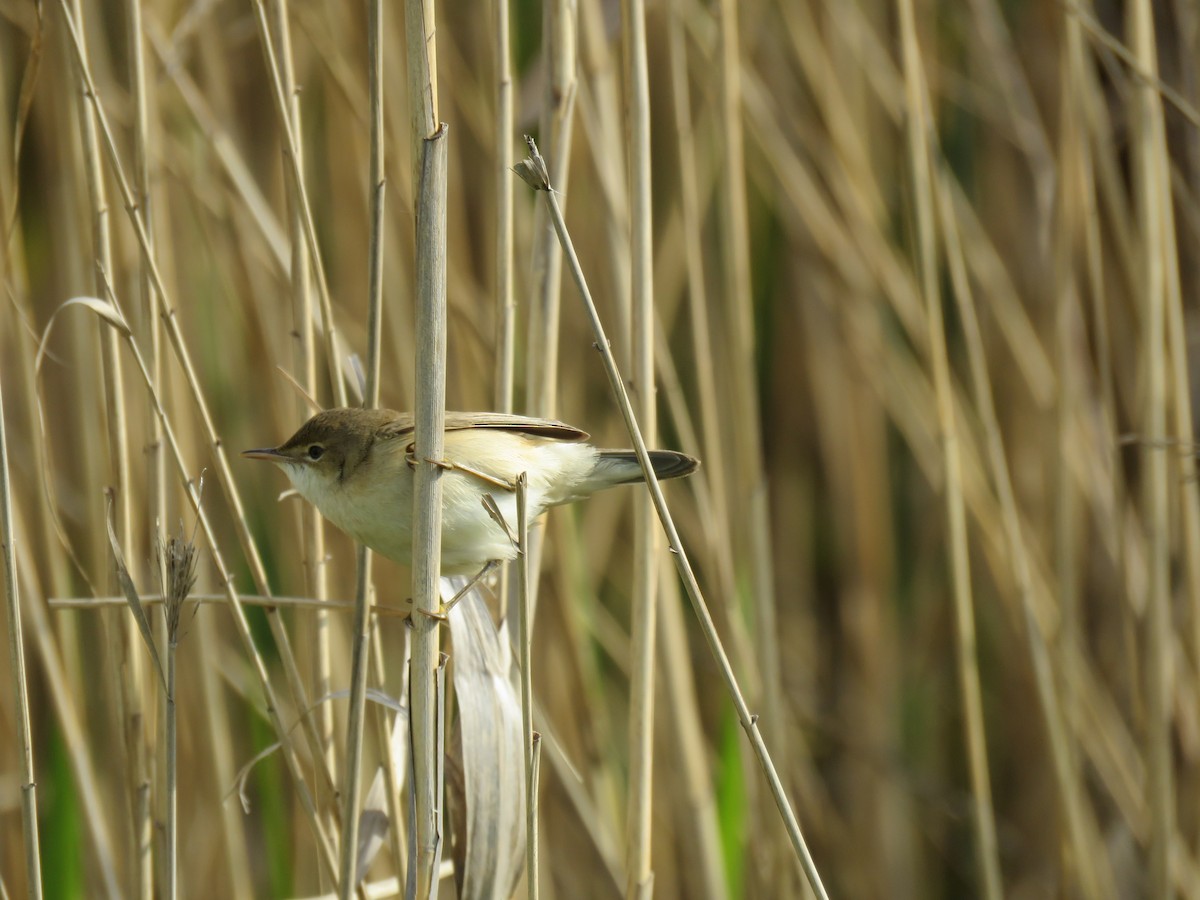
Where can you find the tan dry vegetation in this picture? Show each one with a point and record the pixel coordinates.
(918, 270)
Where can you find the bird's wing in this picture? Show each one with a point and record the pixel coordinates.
(548, 428)
(402, 424)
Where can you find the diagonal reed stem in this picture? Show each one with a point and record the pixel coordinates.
(533, 170)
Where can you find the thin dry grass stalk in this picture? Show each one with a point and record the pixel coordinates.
(506, 307)
(919, 128)
(220, 458)
(360, 648)
(529, 738)
(176, 558)
(20, 683)
(534, 172)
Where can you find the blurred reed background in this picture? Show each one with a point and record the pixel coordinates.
(919, 274)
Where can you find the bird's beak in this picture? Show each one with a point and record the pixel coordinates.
(270, 454)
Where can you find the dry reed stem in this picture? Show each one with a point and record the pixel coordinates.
(360, 647)
(535, 779)
(430, 371)
(220, 458)
(919, 127)
(1034, 593)
(536, 176)
(243, 627)
(355, 719)
(1148, 161)
(1068, 327)
(753, 512)
(602, 117)
(529, 737)
(126, 685)
(304, 356)
(506, 308)
(304, 207)
(176, 559)
(384, 719)
(697, 805)
(393, 767)
(556, 128)
(698, 303)
(558, 114)
(852, 454)
(16, 661)
(223, 148)
(701, 856)
(73, 735)
(143, 150)
(644, 615)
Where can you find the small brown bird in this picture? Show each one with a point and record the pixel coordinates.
(356, 467)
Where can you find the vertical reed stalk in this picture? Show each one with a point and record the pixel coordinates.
(749, 482)
(378, 192)
(16, 660)
(238, 613)
(715, 466)
(1149, 162)
(919, 126)
(177, 574)
(559, 38)
(644, 615)
(505, 302)
(427, 499)
(697, 805)
(219, 456)
(304, 356)
(142, 167)
(75, 738)
(384, 721)
(1181, 398)
(360, 650)
(429, 166)
(298, 186)
(387, 724)
(170, 751)
(143, 153)
(533, 848)
(556, 128)
(1093, 880)
(529, 736)
(128, 674)
(506, 308)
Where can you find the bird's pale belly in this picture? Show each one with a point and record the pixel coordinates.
(470, 537)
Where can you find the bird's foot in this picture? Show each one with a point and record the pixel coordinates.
(442, 614)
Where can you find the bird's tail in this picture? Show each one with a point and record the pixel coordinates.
(615, 467)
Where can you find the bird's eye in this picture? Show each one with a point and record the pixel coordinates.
(315, 451)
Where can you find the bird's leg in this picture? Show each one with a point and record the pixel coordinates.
(475, 579)
(443, 612)
(493, 510)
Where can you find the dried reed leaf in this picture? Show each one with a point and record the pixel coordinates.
(105, 310)
(131, 594)
(373, 823)
(492, 751)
